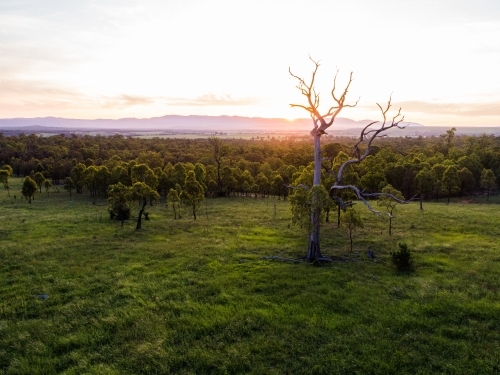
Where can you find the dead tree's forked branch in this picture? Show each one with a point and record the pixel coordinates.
(368, 134)
(321, 121)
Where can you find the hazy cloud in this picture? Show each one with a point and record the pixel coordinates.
(213, 100)
(125, 101)
(458, 109)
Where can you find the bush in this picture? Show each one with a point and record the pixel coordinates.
(402, 259)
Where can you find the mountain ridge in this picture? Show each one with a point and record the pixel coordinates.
(179, 123)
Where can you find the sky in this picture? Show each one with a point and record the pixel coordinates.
(92, 59)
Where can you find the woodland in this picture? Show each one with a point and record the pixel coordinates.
(435, 168)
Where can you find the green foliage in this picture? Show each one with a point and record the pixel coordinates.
(193, 192)
(450, 182)
(425, 181)
(4, 178)
(173, 199)
(402, 258)
(118, 201)
(29, 188)
(488, 180)
(39, 179)
(69, 185)
(387, 201)
(140, 191)
(47, 185)
(351, 221)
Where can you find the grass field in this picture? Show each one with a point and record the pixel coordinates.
(82, 295)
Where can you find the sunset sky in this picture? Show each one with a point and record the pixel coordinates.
(114, 59)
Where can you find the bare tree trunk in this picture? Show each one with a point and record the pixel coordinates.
(421, 199)
(314, 252)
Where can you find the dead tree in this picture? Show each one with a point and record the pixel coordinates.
(321, 122)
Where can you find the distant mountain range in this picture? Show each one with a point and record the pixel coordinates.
(178, 124)
(207, 125)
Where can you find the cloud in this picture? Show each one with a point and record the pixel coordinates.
(213, 100)
(125, 101)
(472, 109)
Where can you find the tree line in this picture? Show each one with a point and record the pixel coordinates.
(428, 168)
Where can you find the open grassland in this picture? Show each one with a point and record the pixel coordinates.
(82, 295)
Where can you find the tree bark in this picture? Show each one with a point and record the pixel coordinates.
(314, 251)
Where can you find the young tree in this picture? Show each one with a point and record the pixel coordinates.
(47, 185)
(69, 185)
(193, 193)
(78, 177)
(321, 122)
(425, 181)
(389, 203)
(5, 173)
(488, 181)
(173, 198)
(141, 192)
(118, 201)
(351, 221)
(39, 179)
(29, 188)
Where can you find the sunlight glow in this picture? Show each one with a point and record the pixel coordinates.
(98, 59)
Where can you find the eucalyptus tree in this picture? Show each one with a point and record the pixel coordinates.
(78, 177)
(39, 179)
(425, 181)
(220, 153)
(263, 183)
(488, 181)
(351, 222)
(29, 188)
(466, 179)
(193, 192)
(450, 182)
(141, 192)
(322, 120)
(438, 171)
(47, 185)
(5, 173)
(173, 198)
(389, 203)
(118, 201)
(90, 180)
(69, 185)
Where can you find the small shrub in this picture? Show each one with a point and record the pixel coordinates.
(402, 259)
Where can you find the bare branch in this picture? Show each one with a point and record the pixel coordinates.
(321, 122)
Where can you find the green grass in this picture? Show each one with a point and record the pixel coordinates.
(194, 297)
